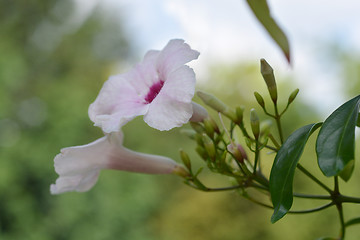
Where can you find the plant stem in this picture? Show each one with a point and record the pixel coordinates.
(319, 197)
(257, 155)
(307, 173)
(313, 209)
(337, 200)
(342, 222)
(290, 212)
(278, 123)
(218, 189)
(277, 145)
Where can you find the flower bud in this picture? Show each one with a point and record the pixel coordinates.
(268, 74)
(214, 125)
(197, 127)
(185, 159)
(189, 133)
(217, 105)
(209, 129)
(265, 127)
(259, 99)
(238, 152)
(212, 101)
(201, 151)
(209, 147)
(199, 113)
(255, 123)
(239, 114)
(199, 139)
(293, 95)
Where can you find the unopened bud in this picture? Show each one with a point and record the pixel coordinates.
(265, 127)
(214, 125)
(199, 113)
(199, 139)
(197, 127)
(201, 151)
(209, 147)
(259, 99)
(293, 95)
(268, 74)
(216, 104)
(255, 123)
(212, 101)
(189, 133)
(209, 128)
(239, 114)
(238, 152)
(185, 159)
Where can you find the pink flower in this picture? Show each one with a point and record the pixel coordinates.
(160, 88)
(79, 167)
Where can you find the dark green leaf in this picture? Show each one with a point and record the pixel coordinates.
(283, 169)
(353, 222)
(327, 238)
(335, 144)
(262, 12)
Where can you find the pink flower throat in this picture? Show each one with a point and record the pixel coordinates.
(154, 91)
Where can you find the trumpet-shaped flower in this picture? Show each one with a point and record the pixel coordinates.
(79, 167)
(160, 88)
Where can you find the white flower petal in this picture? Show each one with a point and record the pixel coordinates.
(166, 113)
(117, 103)
(175, 54)
(199, 113)
(79, 167)
(180, 84)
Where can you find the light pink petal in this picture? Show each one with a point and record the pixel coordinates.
(79, 167)
(199, 113)
(165, 112)
(117, 103)
(180, 84)
(175, 54)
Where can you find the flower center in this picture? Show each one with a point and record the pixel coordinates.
(154, 91)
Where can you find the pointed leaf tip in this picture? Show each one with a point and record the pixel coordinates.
(261, 11)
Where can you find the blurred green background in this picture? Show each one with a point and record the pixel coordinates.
(53, 63)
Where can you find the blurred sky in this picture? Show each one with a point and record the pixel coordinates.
(226, 32)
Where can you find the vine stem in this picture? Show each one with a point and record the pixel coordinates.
(290, 212)
(278, 123)
(307, 173)
(339, 207)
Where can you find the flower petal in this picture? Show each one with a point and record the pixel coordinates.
(165, 112)
(117, 103)
(180, 84)
(78, 167)
(175, 54)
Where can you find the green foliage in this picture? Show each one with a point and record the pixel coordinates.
(335, 144)
(261, 10)
(282, 172)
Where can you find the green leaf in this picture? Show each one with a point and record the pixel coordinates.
(283, 169)
(327, 238)
(262, 12)
(335, 144)
(353, 222)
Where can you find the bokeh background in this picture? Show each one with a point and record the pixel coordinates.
(54, 58)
